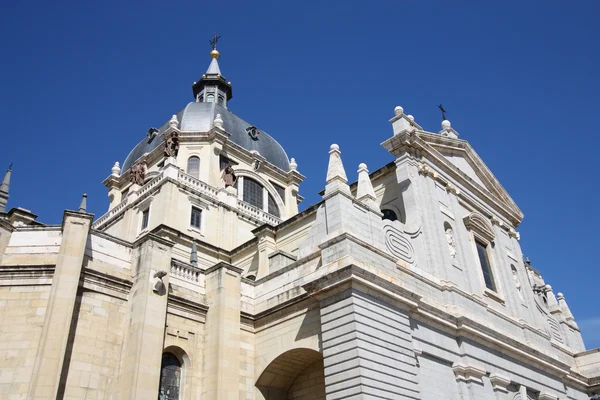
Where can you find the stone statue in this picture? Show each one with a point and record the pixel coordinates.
(228, 176)
(138, 173)
(451, 243)
(172, 145)
(517, 283)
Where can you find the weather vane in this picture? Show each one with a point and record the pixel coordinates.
(441, 107)
(214, 41)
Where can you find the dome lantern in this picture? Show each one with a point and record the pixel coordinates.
(212, 86)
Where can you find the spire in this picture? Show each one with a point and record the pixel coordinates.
(213, 68)
(194, 255)
(83, 204)
(566, 311)
(336, 174)
(212, 86)
(364, 192)
(4, 189)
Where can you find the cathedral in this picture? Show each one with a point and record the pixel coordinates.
(203, 280)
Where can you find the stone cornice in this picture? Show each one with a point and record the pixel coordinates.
(75, 214)
(150, 236)
(187, 305)
(227, 266)
(463, 326)
(5, 225)
(105, 283)
(423, 143)
(26, 272)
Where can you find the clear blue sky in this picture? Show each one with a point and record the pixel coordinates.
(83, 81)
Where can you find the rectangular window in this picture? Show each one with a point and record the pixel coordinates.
(196, 217)
(485, 265)
(145, 218)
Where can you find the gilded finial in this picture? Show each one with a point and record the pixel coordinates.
(213, 42)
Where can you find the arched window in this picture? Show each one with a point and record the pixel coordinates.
(200, 99)
(221, 100)
(389, 215)
(170, 377)
(273, 209)
(210, 98)
(193, 167)
(253, 193)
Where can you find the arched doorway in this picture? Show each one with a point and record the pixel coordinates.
(294, 375)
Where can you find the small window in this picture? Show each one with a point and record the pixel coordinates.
(196, 217)
(253, 193)
(210, 98)
(145, 218)
(200, 99)
(193, 167)
(485, 265)
(389, 215)
(224, 162)
(170, 377)
(273, 209)
(221, 100)
(280, 191)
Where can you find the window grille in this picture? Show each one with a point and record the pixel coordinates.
(253, 193)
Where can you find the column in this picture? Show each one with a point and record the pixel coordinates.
(61, 303)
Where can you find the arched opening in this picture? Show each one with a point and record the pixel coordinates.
(296, 374)
(193, 167)
(170, 377)
(389, 215)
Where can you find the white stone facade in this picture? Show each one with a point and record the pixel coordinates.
(408, 284)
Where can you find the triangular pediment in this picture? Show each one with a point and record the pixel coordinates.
(457, 156)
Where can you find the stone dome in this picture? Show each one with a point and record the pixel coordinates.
(200, 117)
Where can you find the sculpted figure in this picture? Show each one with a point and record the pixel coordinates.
(138, 173)
(517, 283)
(172, 145)
(228, 176)
(451, 243)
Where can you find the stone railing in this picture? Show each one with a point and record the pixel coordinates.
(106, 217)
(257, 213)
(123, 204)
(207, 190)
(185, 272)
(148, 186)
(197, 184)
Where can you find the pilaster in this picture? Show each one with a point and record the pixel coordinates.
(367, 344)
(50, 357)
(222, 340)
(6, 231)
(143, 346)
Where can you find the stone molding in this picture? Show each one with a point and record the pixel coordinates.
(479, 224)
(499, 382)
(547, 396)
(227, 266)
(106, 284)
(426, 145)
(468, 373)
